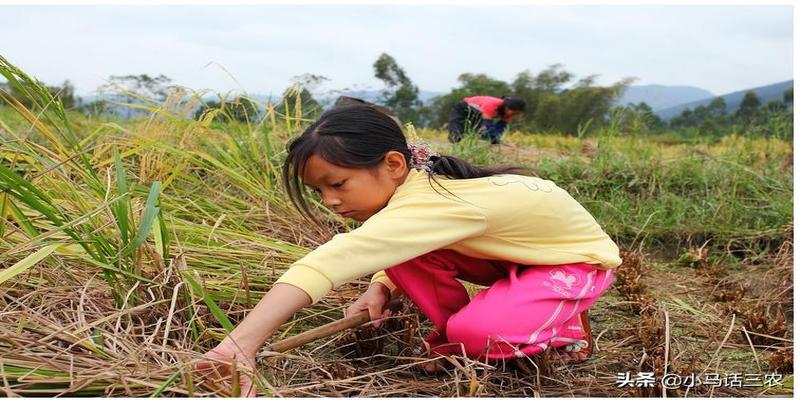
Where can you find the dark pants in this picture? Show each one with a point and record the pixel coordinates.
(463, 120)
(492, 130)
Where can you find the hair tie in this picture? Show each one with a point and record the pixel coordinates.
(421, 155)
(421, 152)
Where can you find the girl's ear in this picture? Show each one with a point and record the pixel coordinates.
(395, 162)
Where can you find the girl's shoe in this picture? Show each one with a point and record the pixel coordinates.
(579, 351)
(434, 365)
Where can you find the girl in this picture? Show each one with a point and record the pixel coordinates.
(429, 220)
(484, 114)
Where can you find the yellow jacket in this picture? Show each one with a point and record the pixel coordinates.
(526, 220)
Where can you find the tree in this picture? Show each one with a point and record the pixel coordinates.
(586, 102)
(206, 107)
(649, 119)
(652, 120)
(776, 106)
(788, 96)
(748, 108)
(683, 120)
(298, 101)
(703, 119)
(136, 89)
(138, 86)
(717, 108)
(64, 93)
(701, 113)
(146, 86)
(552, 78)
(553, 107)
(538, 91)
(548, 112)
(714, 117)
(241, 109)
(96, 108)
(637, 119)
(524, 87)
(401, 95)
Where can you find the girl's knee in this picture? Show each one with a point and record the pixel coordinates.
(469, 332)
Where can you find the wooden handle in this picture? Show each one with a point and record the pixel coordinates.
(328, 329)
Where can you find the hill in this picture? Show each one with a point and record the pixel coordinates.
(732, 100)
(662, 96)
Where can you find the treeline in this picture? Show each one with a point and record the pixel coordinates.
(751, 113)
(557, 101)
(122, 94)
(584, 106)
(65, 92)
(552, 106)
(775, 118)
(127, 89)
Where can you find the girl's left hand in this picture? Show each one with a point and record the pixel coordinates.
(373, 300)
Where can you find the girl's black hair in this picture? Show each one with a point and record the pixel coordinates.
(511, 103)
(359, 136)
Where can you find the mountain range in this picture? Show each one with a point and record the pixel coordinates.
(660, 97)
(765, 93)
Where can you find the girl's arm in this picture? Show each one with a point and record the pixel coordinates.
(275, 308)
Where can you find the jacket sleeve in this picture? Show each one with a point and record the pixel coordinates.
(381, 277)
(400, 232)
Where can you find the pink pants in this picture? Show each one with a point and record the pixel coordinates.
(523, 310)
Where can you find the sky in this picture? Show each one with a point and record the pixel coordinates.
(260, 48)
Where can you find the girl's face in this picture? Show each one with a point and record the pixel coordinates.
(356, 193)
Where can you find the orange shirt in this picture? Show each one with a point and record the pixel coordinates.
(488, 106)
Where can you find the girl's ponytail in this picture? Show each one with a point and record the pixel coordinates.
(456, 168)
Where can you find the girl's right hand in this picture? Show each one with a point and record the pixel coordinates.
(373, 300)
(217, 366)
(239, 348)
